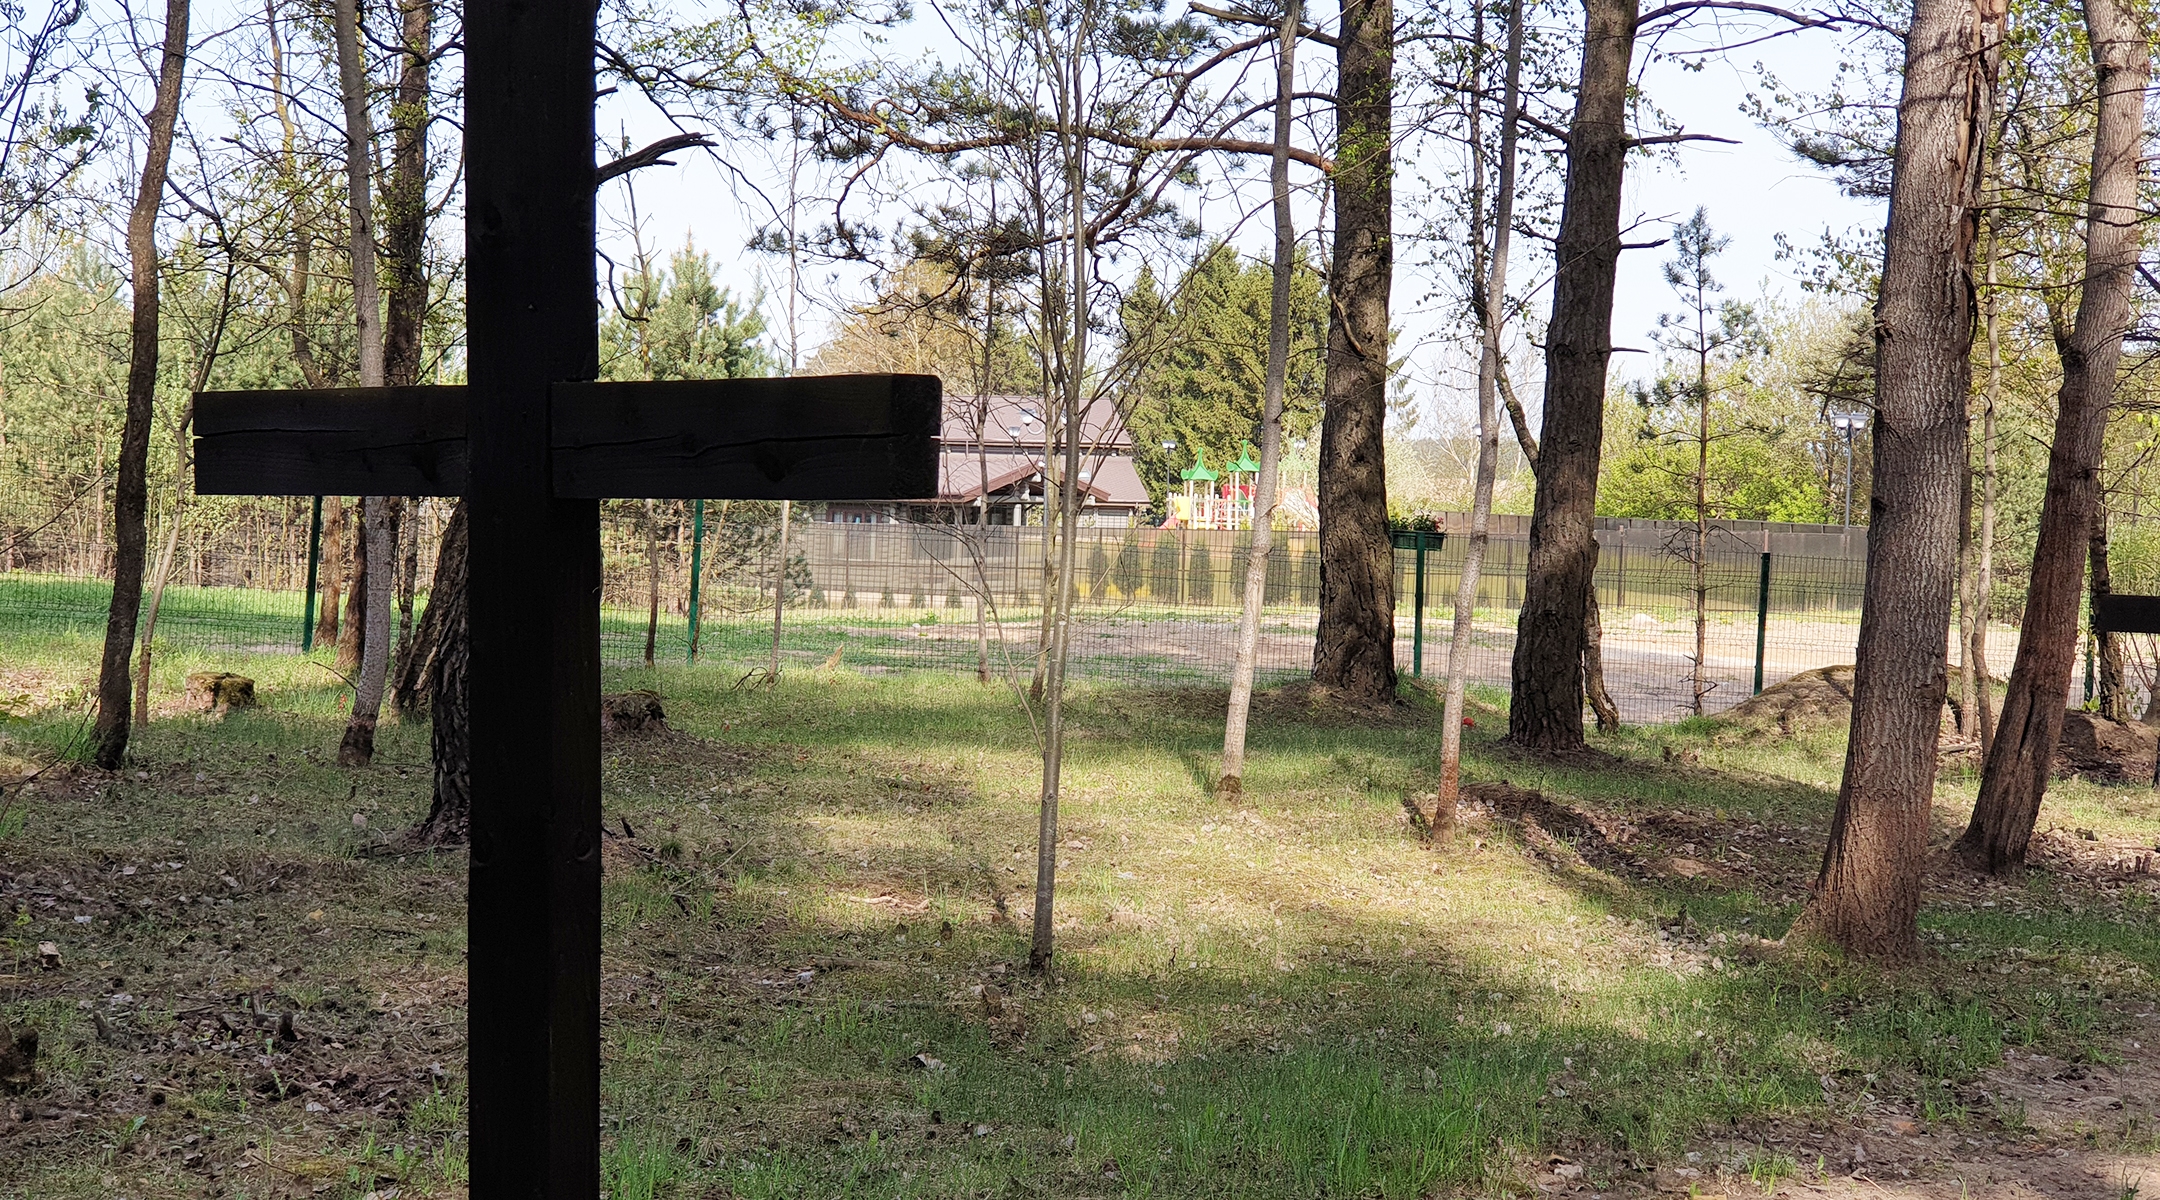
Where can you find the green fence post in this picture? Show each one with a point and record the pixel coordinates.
(1762, 619)
(1417, 621)
(314, 559)
(697, 563)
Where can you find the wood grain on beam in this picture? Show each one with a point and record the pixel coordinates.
(809, 437)
(331, 442)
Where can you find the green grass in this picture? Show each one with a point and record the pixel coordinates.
(1286, 997)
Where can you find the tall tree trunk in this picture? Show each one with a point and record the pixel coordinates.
(405, 200)
(2112, 694)
(405, 215)
(652, 576)
(1593, 649)
(1545, 712)
(1491, 300)
(2015, 776)
(357, 748)
(1354, 645)
(352, 633)
(1232, 779)
(379, 549)
(332, 554)
(131, 491)
(406, 519)
(1867, 898)
(444, 628)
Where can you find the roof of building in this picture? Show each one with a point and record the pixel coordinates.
(1110, 479)
(1016, 422)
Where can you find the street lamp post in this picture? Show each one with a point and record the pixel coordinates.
(1847, 424)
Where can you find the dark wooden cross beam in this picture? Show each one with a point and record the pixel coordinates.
(532, 449)
(2126, 614)
(812, 437)
(534, 948)
(534, 922)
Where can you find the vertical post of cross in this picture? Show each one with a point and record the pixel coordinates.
(314, 561)
(532, 1021)
(1762, 618)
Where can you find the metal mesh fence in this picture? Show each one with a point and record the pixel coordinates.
(1155, 606)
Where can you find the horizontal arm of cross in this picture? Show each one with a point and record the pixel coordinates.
(2126, 614)
(808, 437)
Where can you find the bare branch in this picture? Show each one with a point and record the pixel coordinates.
(1307, 32)
(1668, 138)
(654, 155)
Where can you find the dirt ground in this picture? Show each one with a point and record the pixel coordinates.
(2064, 1130)
(247, 996)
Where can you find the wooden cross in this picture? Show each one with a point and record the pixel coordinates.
(532, 449)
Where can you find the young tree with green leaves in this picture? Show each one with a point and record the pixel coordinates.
(2015, 775)
(1703, 331)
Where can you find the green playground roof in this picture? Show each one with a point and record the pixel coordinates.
(1245, 461)
(1198, 472)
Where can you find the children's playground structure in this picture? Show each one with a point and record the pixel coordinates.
(1224, 500)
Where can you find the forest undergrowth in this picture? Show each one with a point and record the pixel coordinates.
(816, 929)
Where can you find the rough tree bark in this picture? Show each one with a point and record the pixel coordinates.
(405, 201)
(1593, 653)
(446, 654)
(1232, 779)
(1354, 646)
(332, 554)
(131, 490)
(2016, 772)
(1545, 712)
(405, 518)
(404, 266)
(1867, 896)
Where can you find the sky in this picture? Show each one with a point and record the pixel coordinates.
(1753, 190)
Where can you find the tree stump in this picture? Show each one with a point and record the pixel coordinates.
(632, 715)
(219, 691)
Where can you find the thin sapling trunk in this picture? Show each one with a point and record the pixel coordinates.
(380, 569)
(131, 491)
(1232, 779)
(2019, 760)
(1491, 291)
